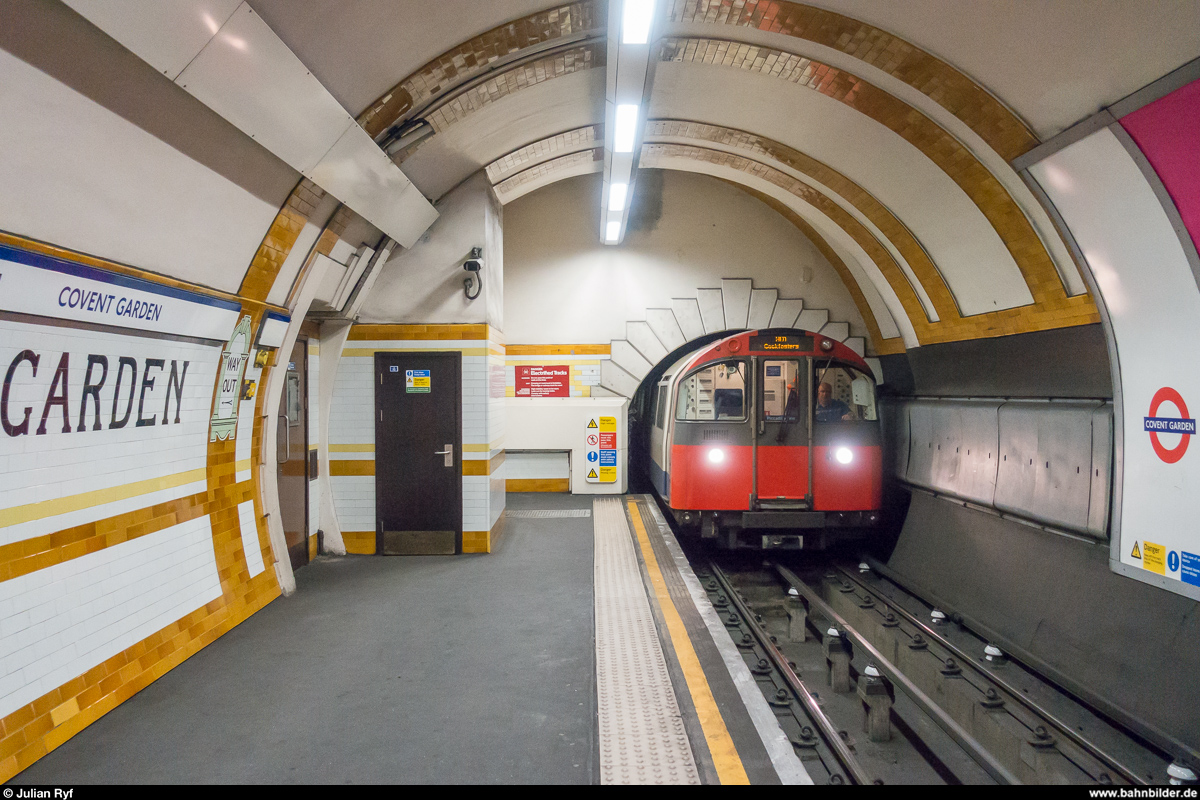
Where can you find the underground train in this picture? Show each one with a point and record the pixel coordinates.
(767, 439)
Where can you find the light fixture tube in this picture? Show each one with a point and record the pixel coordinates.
(616, 196)
(612, 231)
(635, 21)
(626, 128)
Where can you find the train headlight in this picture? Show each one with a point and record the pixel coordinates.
(716, 455)
(844, 455)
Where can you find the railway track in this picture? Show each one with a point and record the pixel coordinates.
(873, 685)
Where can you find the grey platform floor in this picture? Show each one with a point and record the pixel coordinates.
(454, 669)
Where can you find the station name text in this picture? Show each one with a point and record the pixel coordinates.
(101, 303)
(106, 399)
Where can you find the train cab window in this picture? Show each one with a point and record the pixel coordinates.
(781, 399)
(715, 392)
(843, 394)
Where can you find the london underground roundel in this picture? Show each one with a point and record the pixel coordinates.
(1182, 425)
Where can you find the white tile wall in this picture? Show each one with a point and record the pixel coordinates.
(250, 543)
(59, 622)
(534, 465)
(58, 465)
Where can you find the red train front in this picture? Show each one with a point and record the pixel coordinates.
(768, 439)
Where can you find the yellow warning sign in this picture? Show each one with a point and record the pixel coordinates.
(592, 424)
(1154, 557)
(592, 474)
(608, 474)
(1136, 553)
(608, 425)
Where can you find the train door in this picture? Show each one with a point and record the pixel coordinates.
(782, 463)
(292, 456)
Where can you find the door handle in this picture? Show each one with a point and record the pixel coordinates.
(448, 453)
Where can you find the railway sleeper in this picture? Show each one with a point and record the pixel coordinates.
(1010, 734)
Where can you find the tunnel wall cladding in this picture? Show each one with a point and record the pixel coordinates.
(1046, 462)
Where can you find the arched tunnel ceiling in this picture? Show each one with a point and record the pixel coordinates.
(883, 129)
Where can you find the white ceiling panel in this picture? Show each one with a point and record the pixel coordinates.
(359, 174)
(968, 252)
(531, 114)
(167, 34)
(247, 75)
(1054, 63)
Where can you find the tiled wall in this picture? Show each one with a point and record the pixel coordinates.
(352, 427)
(124, 549)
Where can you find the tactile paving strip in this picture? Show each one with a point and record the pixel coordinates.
(562, 513)
(642, 738)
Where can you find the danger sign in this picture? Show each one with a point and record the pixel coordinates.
(538, 381)
(601, 453)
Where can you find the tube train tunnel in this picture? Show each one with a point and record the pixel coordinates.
(285, 286)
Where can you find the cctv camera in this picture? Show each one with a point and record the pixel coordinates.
(472, 266)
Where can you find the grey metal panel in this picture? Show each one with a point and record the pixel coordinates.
(642, 337)
(687, 314)
(1046, 462)
(712, 310)
(626, 356)
(812, 319)
(837, 331)
(918, 469)
(954, 447)
(856, 343)
(1102, 441)
(785, 313)
(662, 321)
(617, 380)
(762, 305)
(735, 295)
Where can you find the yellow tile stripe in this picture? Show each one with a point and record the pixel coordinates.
(77, 502)
(352, 448)
(244, 464)
(720, 744)
(368, 352)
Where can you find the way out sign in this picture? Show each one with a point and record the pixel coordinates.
(600, 448)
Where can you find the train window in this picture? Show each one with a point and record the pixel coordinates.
(850, 394)
(660, 412)
(716, 392)
(781, 401)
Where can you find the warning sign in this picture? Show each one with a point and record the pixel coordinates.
(538, 381)
(1136, 553)
(1154, 557)
(416, 381)
(601, 452)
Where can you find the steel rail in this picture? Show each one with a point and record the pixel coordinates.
(947, 723)
(1166, 742)
(999, 681)
(829, 731)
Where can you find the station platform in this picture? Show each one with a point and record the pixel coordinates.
(582, 651)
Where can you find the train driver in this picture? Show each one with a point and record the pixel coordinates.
(829, 409)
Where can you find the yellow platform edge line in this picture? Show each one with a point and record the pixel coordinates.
(724, 753)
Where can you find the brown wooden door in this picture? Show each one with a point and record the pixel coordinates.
(418, 453)
(292, 454)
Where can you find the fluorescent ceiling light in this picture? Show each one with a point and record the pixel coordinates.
(616, 196)
(626, 129)
(635, 22)
(612, 231)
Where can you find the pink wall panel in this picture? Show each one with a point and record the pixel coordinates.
(1168, 132)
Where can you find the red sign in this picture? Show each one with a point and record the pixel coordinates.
(536, 381)
(608, 441)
